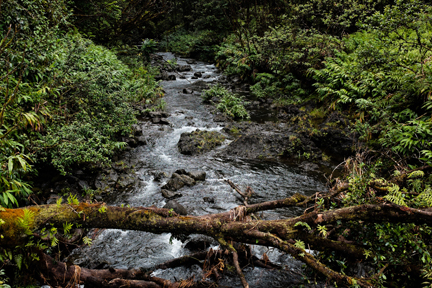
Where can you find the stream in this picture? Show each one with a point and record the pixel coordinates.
(269, 179)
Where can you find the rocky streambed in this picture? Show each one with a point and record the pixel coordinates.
(179, 159)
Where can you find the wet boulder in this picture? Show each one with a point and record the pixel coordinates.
(171, 77)
(177, 207)
(158, 176)
(187, 91)
(198, 74)
(170, 194)
(174, 184)
(189, 181)
(199, 142)
(198, 175)
(184, 68)
(180, 171)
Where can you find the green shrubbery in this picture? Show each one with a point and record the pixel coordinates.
(185, 43)
(65, 100)
(229, 103)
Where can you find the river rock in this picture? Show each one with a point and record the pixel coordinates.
(125, 181)
(170, 194)
(158, 176)
(177, 207)
(198, 74)
(198, 142)
(171, 77)
(187, 91)
(52, 199)
(83, 185)
(141, 140)
(189, 181)
(198, 175)
(206, 76)
(199, 243)
(106, 179)
(156, 120)
(184, 68)
(158, 114)
(174, 184)
(191, 61)
(180, 171)
(209, 199)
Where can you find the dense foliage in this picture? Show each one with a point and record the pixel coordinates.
(65, 101)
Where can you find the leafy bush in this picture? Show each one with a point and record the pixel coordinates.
(215, 91)
(185, 43)
(233, 106)
(385, 74)
(229, 103)
(97, 105)
(64, 99)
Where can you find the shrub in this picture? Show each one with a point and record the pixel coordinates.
(233, 106)
(215, 91)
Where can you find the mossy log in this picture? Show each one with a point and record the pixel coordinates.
(234, 225)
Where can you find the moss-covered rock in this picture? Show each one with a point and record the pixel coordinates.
(198, 142)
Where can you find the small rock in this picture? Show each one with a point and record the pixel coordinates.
(174, 184)
(194, 77)
(181, 171)
(171, 77)
(187, 91)
(158, 114)
(164, 121)
(141, 140)
(158, 176)
(198, 74)
(187, 180)
(52, 199)
(191, 61)
(177, 207)
(206, 76)
(199, 244)
(83, 185)
(156, 120)
(198, 175)
(125, 181)
(183, 68)
(209, 199)
(170, 194)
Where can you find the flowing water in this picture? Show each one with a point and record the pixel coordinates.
(270, 180)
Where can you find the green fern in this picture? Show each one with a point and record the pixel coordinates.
(87, 241)
(304, 224)
(416, 174)
(72, 199)
(300, 244)
(26, 222)
(322, 230)
(19, 260)
(395, 195)
(67, 227)
(425, 198)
